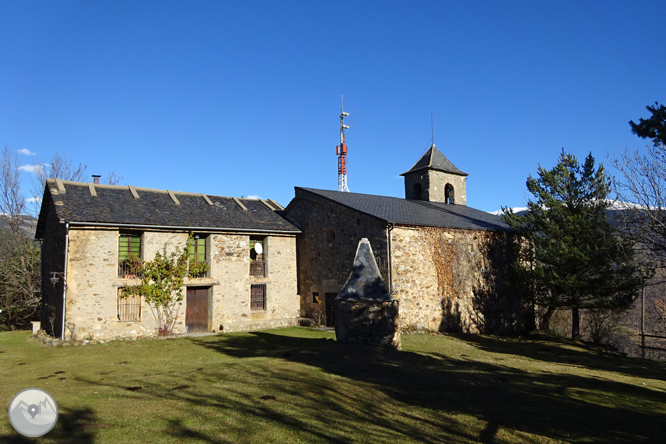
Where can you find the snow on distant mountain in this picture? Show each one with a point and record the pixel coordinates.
(615, 205)
(517, 210)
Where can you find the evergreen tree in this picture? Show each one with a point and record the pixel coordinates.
(653, 128)
(571, 257)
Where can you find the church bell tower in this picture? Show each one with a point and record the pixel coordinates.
(435, 179)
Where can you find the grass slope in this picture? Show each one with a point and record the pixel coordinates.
(299, 385)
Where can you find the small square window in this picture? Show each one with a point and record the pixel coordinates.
(258, 297)
(315, 297)
(129, 307)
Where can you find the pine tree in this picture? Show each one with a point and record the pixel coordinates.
(571, 257)
(653, 128)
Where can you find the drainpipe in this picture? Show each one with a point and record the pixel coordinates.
(64, 279)
(390, 228)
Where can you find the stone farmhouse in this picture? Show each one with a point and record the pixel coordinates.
(89, 231)
(445, 262)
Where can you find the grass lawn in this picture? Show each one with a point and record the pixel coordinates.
(299, 385)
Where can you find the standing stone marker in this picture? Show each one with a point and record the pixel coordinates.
(365, 313)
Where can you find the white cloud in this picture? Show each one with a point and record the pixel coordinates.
(26, 152)
(253, 196)
(32, 168)
(34, 199)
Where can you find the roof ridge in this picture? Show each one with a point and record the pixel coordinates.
(153, 190)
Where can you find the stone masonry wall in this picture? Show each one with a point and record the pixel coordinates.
(231, 298)
(368, 322)
(93, 284)
(433, 185)
(324, 266)
(92, 289)
(53, 259)
(468, 294)
(438, 181)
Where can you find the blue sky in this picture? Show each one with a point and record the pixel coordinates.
(243, 98)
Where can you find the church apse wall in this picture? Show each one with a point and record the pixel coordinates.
(455, 280)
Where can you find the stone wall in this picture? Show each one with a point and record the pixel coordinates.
(455, 280)
(433, 185)
(368, 322)
(231, 298)
(324, 261)
(93, 283)
(53, 259)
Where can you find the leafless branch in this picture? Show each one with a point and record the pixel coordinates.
(643, 187)
(12, 199)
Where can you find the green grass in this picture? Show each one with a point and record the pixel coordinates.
(453, 389)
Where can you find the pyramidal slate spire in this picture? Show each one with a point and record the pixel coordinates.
(365, 281)
(433, 178)
(433, 159)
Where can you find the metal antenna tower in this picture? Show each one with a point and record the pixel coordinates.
(341, 151)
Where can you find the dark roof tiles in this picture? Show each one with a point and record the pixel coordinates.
(435, 160)
(117, 205)
(410, 212)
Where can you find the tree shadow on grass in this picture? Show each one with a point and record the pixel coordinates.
(73, 426)
(558, 406)
(284, 389)
(564, 351)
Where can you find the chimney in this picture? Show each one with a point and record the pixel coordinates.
(96, 178)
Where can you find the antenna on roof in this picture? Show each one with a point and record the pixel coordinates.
(341, 150)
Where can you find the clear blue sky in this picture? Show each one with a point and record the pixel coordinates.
(243, 98)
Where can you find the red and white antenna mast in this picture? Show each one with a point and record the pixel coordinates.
(341, 151)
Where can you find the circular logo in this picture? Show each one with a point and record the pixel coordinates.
(33, 412)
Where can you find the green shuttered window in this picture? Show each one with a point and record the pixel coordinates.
(129, 245)
(197, 249)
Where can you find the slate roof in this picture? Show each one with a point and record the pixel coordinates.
(434, 159)
(117, 205)
(408, 212)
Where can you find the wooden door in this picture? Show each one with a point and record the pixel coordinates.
(330, 309)
(196, 309)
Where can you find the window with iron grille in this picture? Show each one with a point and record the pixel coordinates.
(258, 297)
(129, 246)
(196, 248)
(257, 256)
(129, 307)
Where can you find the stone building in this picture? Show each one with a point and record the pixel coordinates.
(89, 231)
(445, 262)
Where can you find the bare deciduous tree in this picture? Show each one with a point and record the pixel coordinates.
(60, 167)
(643, 189)
(19, 257)
(12, 200)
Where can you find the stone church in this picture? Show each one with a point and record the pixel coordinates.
(445, 262)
